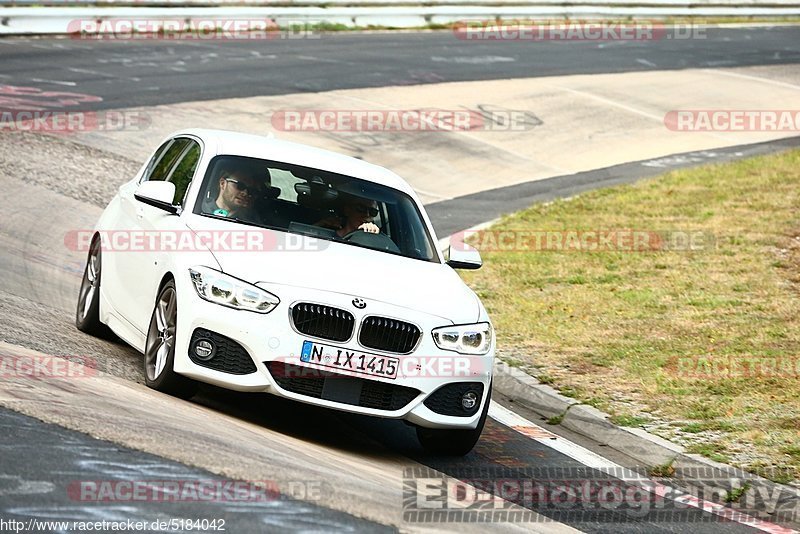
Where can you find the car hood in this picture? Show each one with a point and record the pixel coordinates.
(424, 286)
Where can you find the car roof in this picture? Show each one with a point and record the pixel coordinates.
(225, 142)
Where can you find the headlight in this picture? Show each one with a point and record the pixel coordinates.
(220, 288)
(465, 338)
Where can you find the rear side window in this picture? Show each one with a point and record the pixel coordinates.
(184, 171)
(155, 159)
(165, 159)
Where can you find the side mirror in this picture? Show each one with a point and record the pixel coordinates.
(463, 256)
(157, 193)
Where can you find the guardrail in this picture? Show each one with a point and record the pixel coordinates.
(18, 20)
(567, 5)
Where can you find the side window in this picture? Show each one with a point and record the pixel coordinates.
(160, 171)
(155, 159)
(184, 171)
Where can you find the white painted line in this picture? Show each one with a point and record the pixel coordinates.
(435, 196)
(55, 82)
(755, 78)
(513, 420)
(588, 458)
(659, 118)
(92, 72)
(646, 62)
(472, 60)
(611, 44)
(446, 241)
(319, 59)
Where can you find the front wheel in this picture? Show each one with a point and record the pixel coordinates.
(87, 312)
(454, 442)
(159, 352)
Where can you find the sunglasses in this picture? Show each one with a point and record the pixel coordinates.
(369, 210)
(243, 187)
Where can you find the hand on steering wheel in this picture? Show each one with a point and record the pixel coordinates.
(370, 228)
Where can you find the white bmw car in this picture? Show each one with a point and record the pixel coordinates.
(266, 266)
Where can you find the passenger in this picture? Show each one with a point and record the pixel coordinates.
(355, 213)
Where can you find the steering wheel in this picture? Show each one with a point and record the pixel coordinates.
(376, 241)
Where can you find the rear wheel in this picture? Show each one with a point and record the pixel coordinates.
(159, 352)
(87, 313)
(454, 442)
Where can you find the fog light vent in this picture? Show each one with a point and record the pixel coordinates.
(215, 351)
(461, 399)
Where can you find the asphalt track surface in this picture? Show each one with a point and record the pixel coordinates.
(49, 490)
(145, 73)
(132, 73)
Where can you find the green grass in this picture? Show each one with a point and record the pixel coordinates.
(708, 338)
(662, 471)
(628, 420)
(556, 419)
(714, 451)
(736, 493)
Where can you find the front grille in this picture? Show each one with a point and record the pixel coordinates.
(334, 387)
(228, 356)
(447, 399)
(387, 334)
(323, 321)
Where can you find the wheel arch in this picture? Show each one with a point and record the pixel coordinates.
(168, 276)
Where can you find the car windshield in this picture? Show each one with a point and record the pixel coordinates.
(315, 203)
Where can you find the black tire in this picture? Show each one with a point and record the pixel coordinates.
(449, 442)
(159, 352)
(87, 311)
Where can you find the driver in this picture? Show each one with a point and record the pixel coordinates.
(356, 214)
(239, 187)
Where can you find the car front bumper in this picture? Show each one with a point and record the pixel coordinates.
(271, 338)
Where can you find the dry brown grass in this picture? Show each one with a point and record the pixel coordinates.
(651, 336)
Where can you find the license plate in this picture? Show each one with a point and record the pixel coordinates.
(349, 360)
